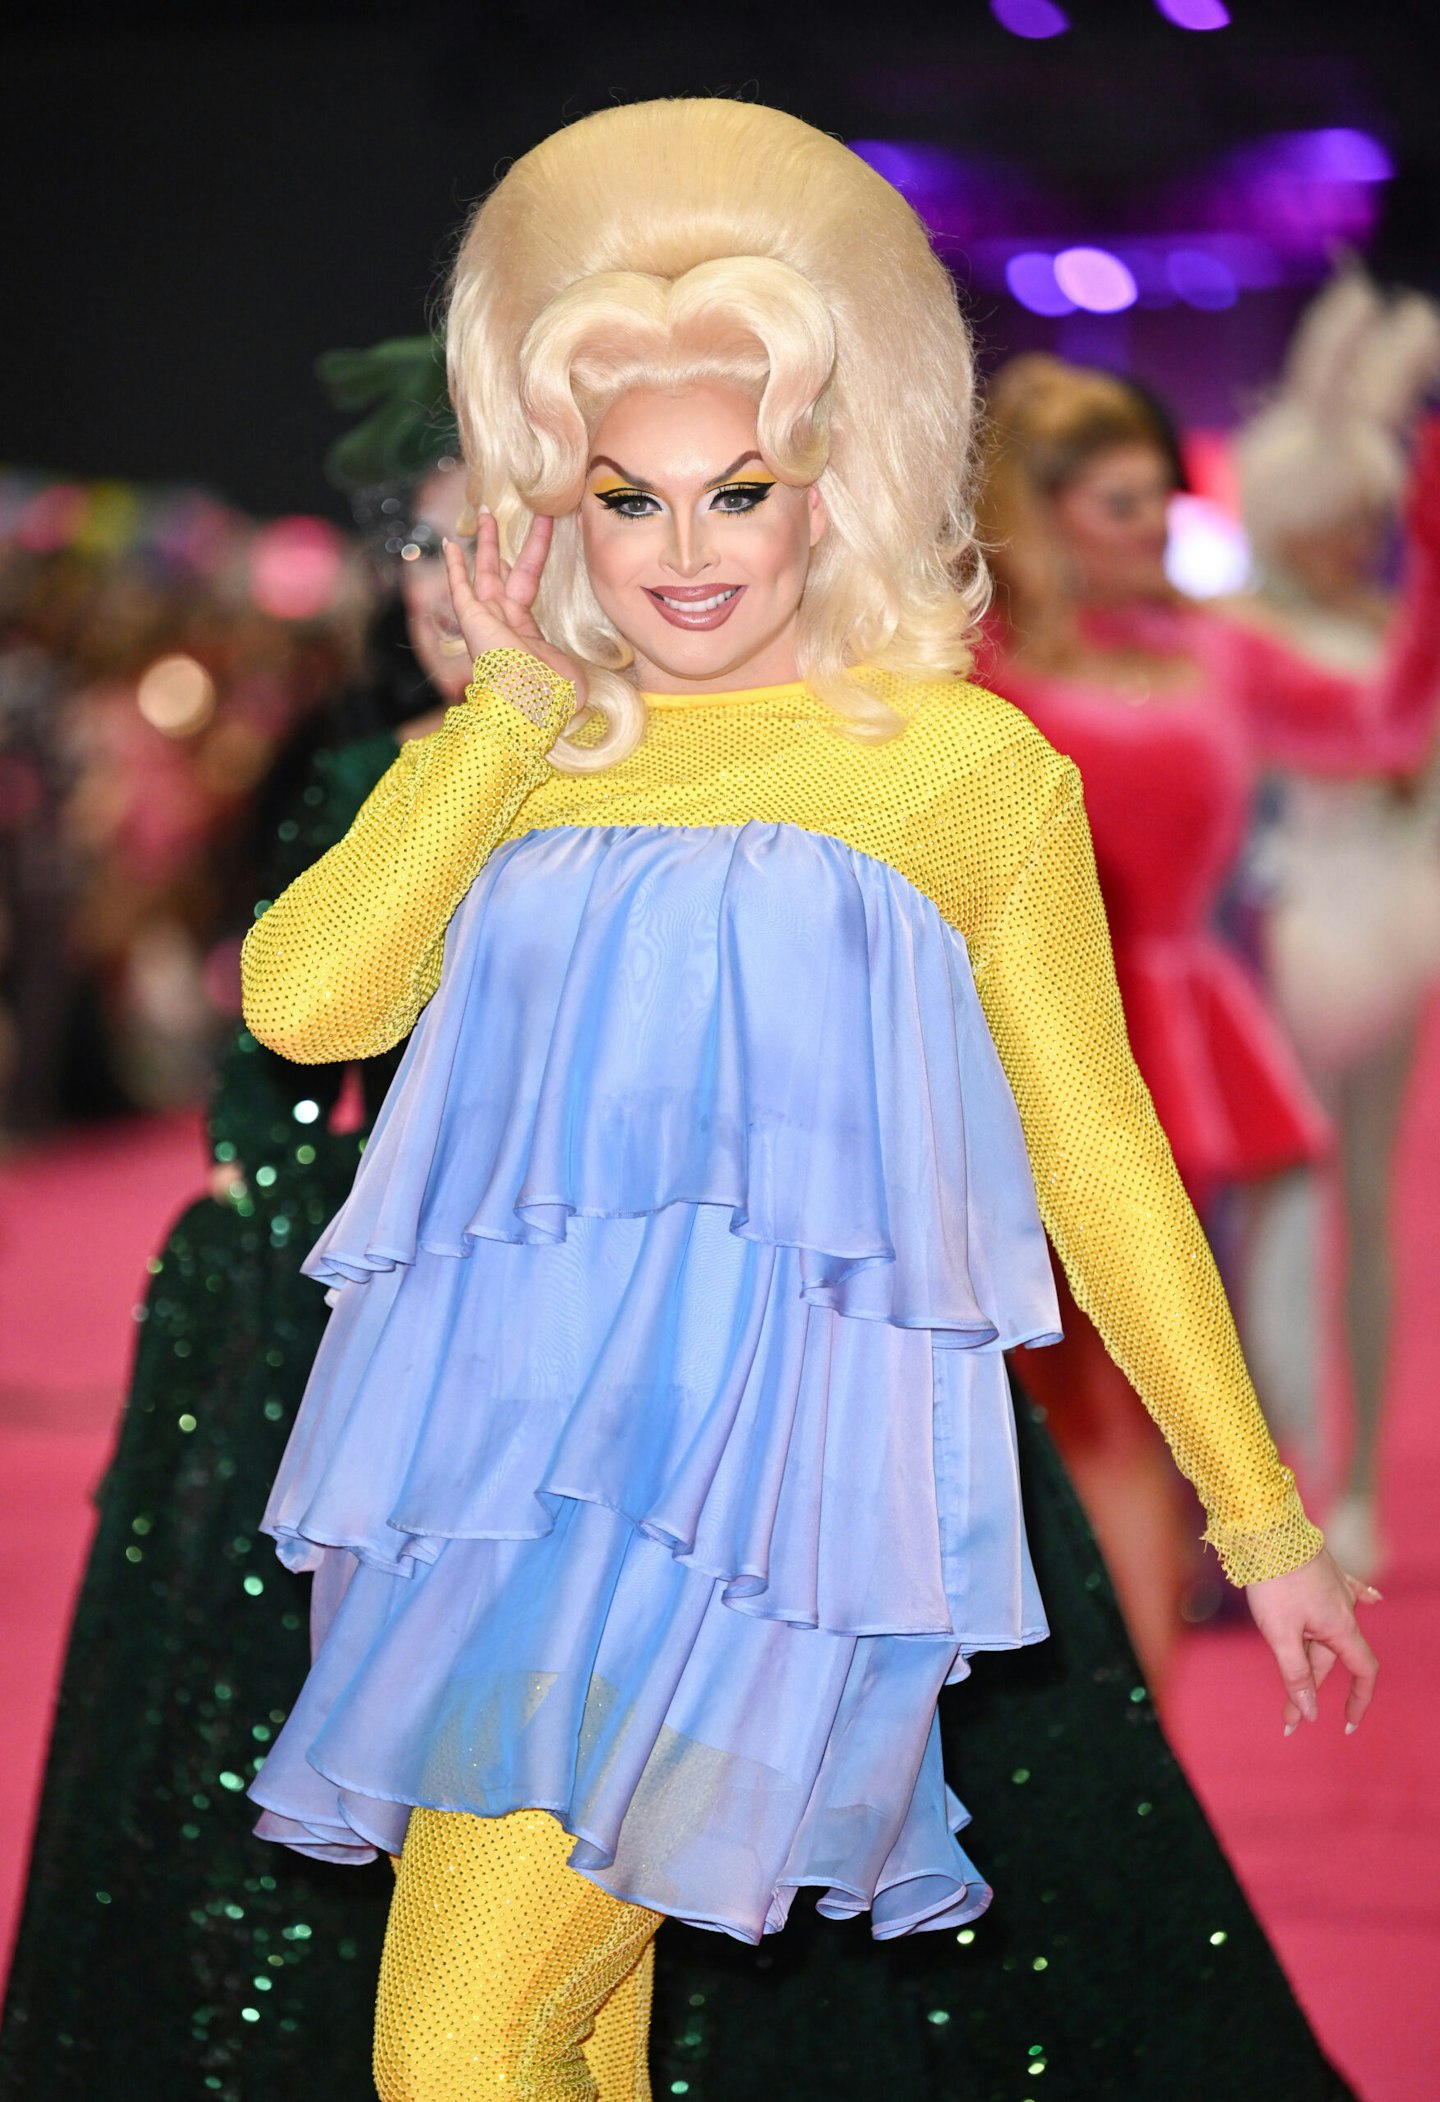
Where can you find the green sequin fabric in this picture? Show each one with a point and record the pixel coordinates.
(164, 1951)
(1119, 1958)
(167, 1953)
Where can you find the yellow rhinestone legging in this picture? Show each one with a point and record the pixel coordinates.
(506, 1974)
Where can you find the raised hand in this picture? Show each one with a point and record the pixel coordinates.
(1308, 1619)
(495, 610)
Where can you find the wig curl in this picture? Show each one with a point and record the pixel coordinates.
(668, 243)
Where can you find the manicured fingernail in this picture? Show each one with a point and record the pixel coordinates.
(1305, 1702)
(1291, 1728)
(1373, 1595)
(1351, 1728)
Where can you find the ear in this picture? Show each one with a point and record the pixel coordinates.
(819, 519)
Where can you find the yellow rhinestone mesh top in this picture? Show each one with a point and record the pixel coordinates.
(971, 806)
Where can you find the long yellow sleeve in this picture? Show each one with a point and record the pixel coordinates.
(342, 963)
(982, 816)
(1113, 1203)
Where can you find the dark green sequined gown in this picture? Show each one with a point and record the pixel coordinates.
(1119, 1958)
(166, 1953)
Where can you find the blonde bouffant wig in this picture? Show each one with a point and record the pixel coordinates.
(667, 243)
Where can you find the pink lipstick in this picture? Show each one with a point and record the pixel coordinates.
(698, 607)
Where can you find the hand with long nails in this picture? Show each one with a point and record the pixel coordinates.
(1308, 1619)
(495, 609)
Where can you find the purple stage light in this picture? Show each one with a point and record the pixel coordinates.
(1146, 263)
(1252, 263)
(1031, 278)
(1194, 14)
(1095, 279)
(1310, 189)
(1300, 194)
(1030, 18)
(953, 193)
(1342, 155)
(916, 168)
(962, 197)
(1201, 280)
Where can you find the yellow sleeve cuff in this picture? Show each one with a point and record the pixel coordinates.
(1250, 1554)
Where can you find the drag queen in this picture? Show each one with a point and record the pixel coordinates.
(657, 1469)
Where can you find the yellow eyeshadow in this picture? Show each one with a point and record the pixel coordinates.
(608, 485)
(758, 480)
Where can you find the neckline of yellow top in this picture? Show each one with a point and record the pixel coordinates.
(794, 688)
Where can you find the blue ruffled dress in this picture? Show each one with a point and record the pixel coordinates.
(658, 1466)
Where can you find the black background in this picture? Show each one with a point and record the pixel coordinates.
(199, 199)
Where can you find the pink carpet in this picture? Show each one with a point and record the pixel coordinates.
(1337, 1840)
(78, 1218)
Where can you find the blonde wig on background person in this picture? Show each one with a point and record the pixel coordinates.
(1046, 420)
(664, 243)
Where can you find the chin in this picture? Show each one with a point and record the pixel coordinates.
(707, 657)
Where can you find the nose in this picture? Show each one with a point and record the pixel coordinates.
(689, 551)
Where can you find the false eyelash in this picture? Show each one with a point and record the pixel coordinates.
(612, 499)
(755, 494)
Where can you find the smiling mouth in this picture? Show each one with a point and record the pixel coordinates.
(696, 606)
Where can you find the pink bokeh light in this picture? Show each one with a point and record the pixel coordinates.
(295, 567)
(1095, 280)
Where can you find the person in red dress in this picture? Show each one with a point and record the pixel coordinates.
(1170, 710)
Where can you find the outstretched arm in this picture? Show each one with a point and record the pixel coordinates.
(1319, 721)
(1125, 1230)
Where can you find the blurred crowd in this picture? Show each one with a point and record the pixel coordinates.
(158, 653)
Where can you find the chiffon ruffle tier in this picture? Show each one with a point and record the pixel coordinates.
(658, 1467)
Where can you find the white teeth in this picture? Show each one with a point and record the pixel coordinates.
(699, 605)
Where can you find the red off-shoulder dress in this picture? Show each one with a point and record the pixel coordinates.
(1169, 779)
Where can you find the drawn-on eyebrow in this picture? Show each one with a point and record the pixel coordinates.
(636, 481)
(632, 481)
(733, 469)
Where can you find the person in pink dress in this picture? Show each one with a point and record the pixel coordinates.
(1171, 711)
(1351, 930)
